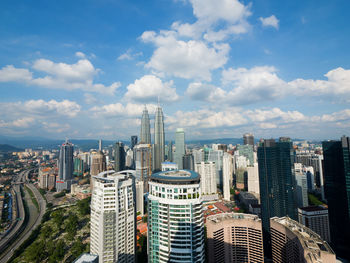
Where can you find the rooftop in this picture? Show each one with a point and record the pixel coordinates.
(313, 208)
(312, 243)
(225, 216)
(86, 258)
(176, 177)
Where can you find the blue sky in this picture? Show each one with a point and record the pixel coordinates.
(85, 69)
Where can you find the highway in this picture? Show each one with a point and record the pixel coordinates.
(32, 224)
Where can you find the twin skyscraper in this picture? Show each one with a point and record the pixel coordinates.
(158, 148)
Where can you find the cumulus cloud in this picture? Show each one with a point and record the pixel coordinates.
(194, 50)
(59, 76)
(191, 59)
(149, 88)
(118, 109)
(243, 86)
(80, 54)
(11, 74)
(270, 21)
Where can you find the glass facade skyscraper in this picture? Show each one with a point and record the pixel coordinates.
(145, 136)
(159, 138)
(175, 218)
(337, 192)
(65, 167)
(277, 183)
(179, 147)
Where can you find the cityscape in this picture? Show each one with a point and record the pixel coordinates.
(194, 131)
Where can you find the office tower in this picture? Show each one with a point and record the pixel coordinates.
(337, 192)
(65, 167)
(145, 136)
(227, 171)
(119, 157)
(277, 183)
(253, 179)
(198, 155)
(188, 162)
(179, 147)
(129, 159)
(79, 166)
(143, 163)
(216, 157)
(133, 141)
(222, 147)
(139, 186)
(293, 242)
(175, 218)
(233, 237)
(301, 185)
(159, 138)
(100, 145)
(248, 152)
(315, 218)
(113, 214)
(169, 166)
(98, 163)
(170, 151)
(248, 139)
(207, 171)
(309, 170)
(314, 160)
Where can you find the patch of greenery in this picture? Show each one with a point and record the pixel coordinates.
(313, 200)
(60, 194)
(35, 202)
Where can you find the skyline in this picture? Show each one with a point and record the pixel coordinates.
(220, 69)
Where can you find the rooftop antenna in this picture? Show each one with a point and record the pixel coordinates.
(158, 101)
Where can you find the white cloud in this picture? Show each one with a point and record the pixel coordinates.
(118, 109)
(337, 85)
(270, 21)
(129, 55)
(40, 108)
(59, 76)
(191, 59)
(11, 74)
(80, 54)
(149, 88)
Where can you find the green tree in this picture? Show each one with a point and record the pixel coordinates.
(58, 253)
(77, 248)
(58, 218)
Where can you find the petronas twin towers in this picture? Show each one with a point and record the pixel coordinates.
(159, 137)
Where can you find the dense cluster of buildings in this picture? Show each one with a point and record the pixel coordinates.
(270, 180)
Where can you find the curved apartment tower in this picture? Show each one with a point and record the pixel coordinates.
(234, 237)
(294, 242)
(175, 218)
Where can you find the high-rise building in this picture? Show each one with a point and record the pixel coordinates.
(113, 214)
(301, 186)
(207, 171)
(145, 135)
(65, 167)
(98, 163)
(227, 171)
(234, 237)
(216, 157)
(277, 183)
(337, 192)
(188, 162)
(175, 218)
(170, 151)
(133, 141)
(248, 138)
(253, 179)
(315, 218)
(159, 138)
(179, 147)
(248, 152)
(143, 163)
(293, 242)
(119, 157)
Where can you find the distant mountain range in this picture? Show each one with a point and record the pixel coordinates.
(9, 148)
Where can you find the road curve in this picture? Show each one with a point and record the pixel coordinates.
(26, 233)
